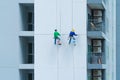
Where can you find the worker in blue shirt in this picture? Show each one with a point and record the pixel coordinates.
(71, 35)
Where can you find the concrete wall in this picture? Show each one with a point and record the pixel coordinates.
(65, 62)
(9, 41)
(117, 39)
(111, 40)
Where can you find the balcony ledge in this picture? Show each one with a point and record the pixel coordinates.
(96, 66)
(26, 66)
(26, 33)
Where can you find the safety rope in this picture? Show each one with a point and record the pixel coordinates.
(60, 15)
(73, 48)
(72, 16)
(56, 14)
(57, 63)
(60, 32)
(57, 46)
(73, 64)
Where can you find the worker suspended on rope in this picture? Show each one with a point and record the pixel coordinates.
(71, 36)
(56, 37)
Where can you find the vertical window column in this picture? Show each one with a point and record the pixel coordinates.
(27, 49)
(96, 74)
(97, 51)
(30, 21)
(27, 74)
(30, 56)
(27, 14)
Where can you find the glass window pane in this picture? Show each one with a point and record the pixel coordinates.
(96, 42)
(30, 59)
(29, 48)
(30, 27)
(30, 76)
(30, 14)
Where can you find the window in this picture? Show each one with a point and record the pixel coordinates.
(98, 19)
(97, 55)
(97, 74)
(30, 48)
(26, 74)
(30, 76)
(30, 21)
(27, 14)
(97, 46)
(30, 55)
(97, 16)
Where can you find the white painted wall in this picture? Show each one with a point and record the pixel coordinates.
(65, 62)
(111, 42)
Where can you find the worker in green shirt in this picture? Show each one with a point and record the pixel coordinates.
(56, 37)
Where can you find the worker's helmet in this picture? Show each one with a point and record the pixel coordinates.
(55, 29)
(73, 29)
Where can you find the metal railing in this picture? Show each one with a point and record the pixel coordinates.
(96, 25)
(96, 58)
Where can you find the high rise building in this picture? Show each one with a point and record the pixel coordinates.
(28, 52)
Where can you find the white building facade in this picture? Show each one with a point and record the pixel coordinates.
(28, 51)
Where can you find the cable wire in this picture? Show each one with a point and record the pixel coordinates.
(73, 48)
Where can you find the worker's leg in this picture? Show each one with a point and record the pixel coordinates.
(58, 41)
(74, 41)
(70, 40)
(55, 40)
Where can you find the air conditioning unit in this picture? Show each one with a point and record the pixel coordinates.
(97, 13)
(97, 73)
(97, 78)
(99, 19)
(97, 43)
(97, 50)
